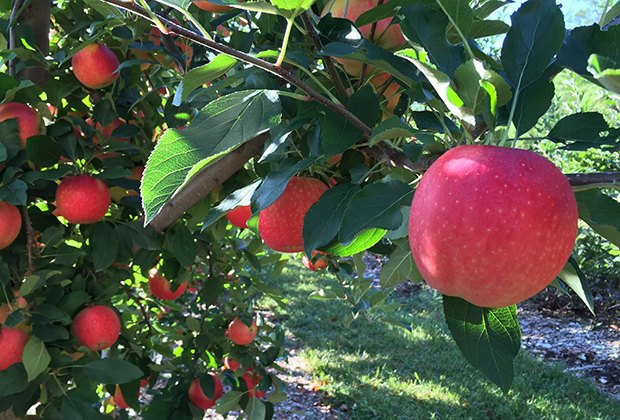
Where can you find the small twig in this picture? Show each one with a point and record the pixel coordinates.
(30, 243)
(143, 310)
(327, 60)
(17, 4)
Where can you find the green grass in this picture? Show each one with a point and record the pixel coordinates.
(383, 371)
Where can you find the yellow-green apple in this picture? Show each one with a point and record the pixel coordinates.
(280, 225)
(492, 225)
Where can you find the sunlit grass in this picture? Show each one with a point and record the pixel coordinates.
(383, 371)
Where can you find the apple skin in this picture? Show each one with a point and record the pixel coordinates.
(241, 334)
(82, 199)
(96, 327)
(251, 382)
(280, 225)
(320, 263)
(239, 216)
(10, 224)
(160, 286)
(12, 343)
(492, 225)
(210, 7)
(119, 399)
(231, 364)
(95, 66)
(28, 121)
(198, 397)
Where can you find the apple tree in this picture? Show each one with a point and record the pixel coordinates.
(162, 160)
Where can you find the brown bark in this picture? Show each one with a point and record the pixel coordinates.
(37, 18)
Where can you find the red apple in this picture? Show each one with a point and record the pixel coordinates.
(198, 397)
(231, 364)
(390, 93)
(82, 199)
(252, 380)
(28, 121)
(95, 66)
(211, 7)
(492, 225)
(160, 286)
(10, 224)
(280, 225)
(320, 263)
(12, 343)
(239, 216)
(96, 327)
(241, 334)
(119, 399)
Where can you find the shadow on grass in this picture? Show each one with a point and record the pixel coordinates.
(382, 371)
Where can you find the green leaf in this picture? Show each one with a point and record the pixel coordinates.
(275, 183)
(104, 244)
(255, 409)
(391, 128)
(43, 151)
(14, 192)
(427, 27)
(13, 380)
(228, 402)
(485, 28)
(488, 338)
(442, 84)
(584, 42)
(338, 134)
(323, 220)
(198, 76)
(534, 38)
(459, 14)
(361, 242)
(36, 358)
(229, 121)
(112, 371)
(605, 72)
(601, 213)
(588, 127)
(532, 103)
(399, 268)
(375, 206)
(574, 278)
(240, 197)
(183, 245)
(73, 407)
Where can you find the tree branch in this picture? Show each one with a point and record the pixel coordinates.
(37, 16)
(327, 60)
(594, 180)
(205, 181)
(262, 64)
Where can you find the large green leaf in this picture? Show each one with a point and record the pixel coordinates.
(221, 126)
(459, 14)
(361, 242)
(36, 358)
(323, 220)
(104, 244)
(399, 268)
(200, 75)
(488, 338)
(583, 42)
(605, 71)
(574, 278)
(13, 380)
(112, 371)
(534, 38)
(532, 103)
(601, 212)
(375, 206)
(588, 127)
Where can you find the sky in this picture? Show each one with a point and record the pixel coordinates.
(576, 12)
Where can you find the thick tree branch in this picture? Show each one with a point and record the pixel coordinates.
(205, 181)
(262, 64)
(594, 180)
(327, 60)
(37, 16)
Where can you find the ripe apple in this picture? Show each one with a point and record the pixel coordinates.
(386, 36)
(198, 397)
(320, 263)
(10, 224)
(390, 93)
(241, 334)
(239, 216)
(12, 343)
(211, 7)
(160, 286)
(280, 225)
(28, 121)
(96, 327)
(492, 225)
(95, 66)
(231, 364)
(119, 399)
(252, 380)
(82, 199)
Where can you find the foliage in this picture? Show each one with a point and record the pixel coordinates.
(178, 109)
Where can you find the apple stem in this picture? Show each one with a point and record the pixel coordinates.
(287, 35)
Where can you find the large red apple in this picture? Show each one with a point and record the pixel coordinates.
(28, 122)
(211, 7)
(198, 397)
(492, 225)
(239, 216)
(95, 66)
(96, 327)
(82, 199)
(241, 334)
(280, 225)
(160, 286)
(10, 224)
(12, 343)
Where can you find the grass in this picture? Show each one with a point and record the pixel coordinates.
(383, 371)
